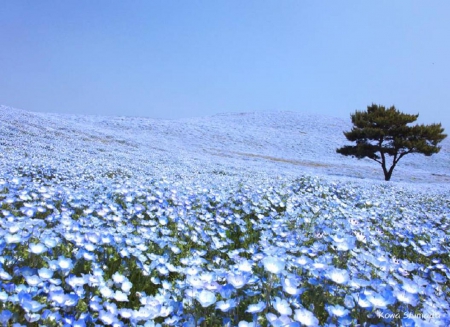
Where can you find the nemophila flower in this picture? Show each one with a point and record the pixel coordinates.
(25, 271)
(110, 307)
(282, 306)
(408, 322)
(147, 313)
(120, 296)
(45, 273)
(95, 304)
(245, 265)
(50, 242)
(226, 291)
(195, 281)
(227, 305)
(3, 296)
(290, 285)
(282, 321)
(306, 317)
(106, 292)
(337, 310)
(437, 277)
(33, 280)
(339, 276)
(5, 316)
(106, 317)
(64, 263)
(206, 298)
(410, 286)
(37, 248)
(273, 265)
(238, 279)
(32, 317)
(191, 270)
(87, 255)
(79, 323)
(244, 323)
(75, 281)
(406, 297)
(256, 308)
(58, 297)
(12, 239)
(125, 313)
(71, 300)
(361, 300)
(126, 286)
(358, 282)
(4, 275)
(303, 260)
(343, 243)
(118, 278)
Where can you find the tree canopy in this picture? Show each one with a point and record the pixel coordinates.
(380, 132)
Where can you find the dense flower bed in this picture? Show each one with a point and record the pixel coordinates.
(303, 252)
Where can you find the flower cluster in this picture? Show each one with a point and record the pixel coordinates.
(304, 252)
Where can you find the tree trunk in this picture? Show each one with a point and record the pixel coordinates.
(387, 175)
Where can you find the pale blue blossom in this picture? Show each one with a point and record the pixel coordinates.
(306, 318)
(206, 298)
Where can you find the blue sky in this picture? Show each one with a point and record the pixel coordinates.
(171, 59)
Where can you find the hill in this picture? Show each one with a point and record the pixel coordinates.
(258, 143)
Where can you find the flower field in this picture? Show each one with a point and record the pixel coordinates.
(220, 251)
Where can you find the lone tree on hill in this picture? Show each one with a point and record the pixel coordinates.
(379, 132)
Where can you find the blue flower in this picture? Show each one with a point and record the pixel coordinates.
(106, 317)
(5, 316)
(239, 279)
(282, 306)
(306, 317)
(58, 297)
(32, 306)
(339, 276)
(410, 286)
(226, 306)
(45, 273)
(206, 298)
(290, 285)
(33, 280)
(273, 264)
(337, 310)
(406, 297)
(343, 243)
(244, 323)
(65, 264)
(11, 239)
(256, 308)
(37, 248)
(3, 296)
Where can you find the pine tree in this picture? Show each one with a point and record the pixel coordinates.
(380, 132)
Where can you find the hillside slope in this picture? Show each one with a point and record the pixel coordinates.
(271, 144)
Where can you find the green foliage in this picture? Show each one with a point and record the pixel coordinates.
(380, 132)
